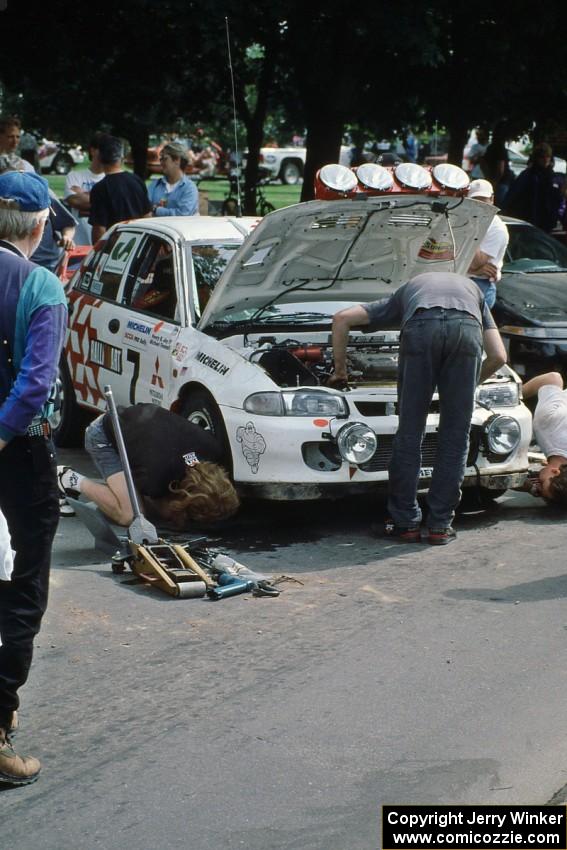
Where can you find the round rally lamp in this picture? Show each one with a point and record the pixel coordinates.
(356, 443)
(450, 176)
(374, 176)
(502, 434)
(339, 178)
(413, 176)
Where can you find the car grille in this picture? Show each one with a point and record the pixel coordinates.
(385, 408)
(381, 457)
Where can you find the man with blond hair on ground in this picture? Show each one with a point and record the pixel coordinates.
(174, 463)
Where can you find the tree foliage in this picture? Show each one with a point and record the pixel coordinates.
(144, 66)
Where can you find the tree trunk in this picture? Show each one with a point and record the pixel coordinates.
(138, 138)
(254, 137)
(324, 136)
(458, 135)
(254, 122)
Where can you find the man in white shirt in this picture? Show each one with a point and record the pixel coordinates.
(486, 266)
(550, 432)
(77, 192)
(10, 133)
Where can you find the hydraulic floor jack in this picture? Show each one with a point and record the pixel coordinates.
(171, 567)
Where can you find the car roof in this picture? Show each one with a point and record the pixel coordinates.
(197, 228)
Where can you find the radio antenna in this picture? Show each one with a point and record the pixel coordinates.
(237, 157)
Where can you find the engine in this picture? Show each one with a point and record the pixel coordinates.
(293, 363)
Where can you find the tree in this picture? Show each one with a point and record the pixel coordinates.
(343, 68)
(138, 68)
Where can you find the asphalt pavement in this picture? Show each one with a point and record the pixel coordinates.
(383, 673)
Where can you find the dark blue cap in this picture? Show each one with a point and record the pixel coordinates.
(28, 189)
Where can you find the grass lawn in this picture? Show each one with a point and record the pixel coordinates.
(217, 190)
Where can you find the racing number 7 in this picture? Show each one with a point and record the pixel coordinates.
(133, 357)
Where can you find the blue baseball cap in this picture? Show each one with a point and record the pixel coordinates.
(28, 189)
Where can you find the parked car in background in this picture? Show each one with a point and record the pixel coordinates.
(58, 158)
(531, 302)
(209, 160)
(70, 262)
(519, 161)
(287, 164)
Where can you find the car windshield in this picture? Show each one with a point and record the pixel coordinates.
(209, 262)
(530, 250)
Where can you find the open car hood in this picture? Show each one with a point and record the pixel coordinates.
(348, 251)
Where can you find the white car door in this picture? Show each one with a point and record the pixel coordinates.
(152, 298)
(95, 354)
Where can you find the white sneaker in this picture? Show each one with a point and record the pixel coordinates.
(65, 508)
(68, 481)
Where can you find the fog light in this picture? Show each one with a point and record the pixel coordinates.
(503, 434)
(356, 443)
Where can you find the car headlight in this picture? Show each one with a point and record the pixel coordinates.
(502, 434)
(298, 403)
(499, 395)
(356, 443)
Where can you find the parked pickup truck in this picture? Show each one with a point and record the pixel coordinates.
(287, 164)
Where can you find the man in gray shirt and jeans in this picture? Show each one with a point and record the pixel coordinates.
(444, 322)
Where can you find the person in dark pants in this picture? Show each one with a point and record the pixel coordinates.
(33, 318)
(442, 317)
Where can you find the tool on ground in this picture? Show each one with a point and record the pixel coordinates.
(170, 567)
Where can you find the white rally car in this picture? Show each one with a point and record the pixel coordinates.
(252, 365)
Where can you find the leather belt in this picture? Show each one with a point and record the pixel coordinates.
(39, 429)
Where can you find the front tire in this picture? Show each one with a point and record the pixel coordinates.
(62, 164)
(290, 173)
(200, 408)
(476, 499)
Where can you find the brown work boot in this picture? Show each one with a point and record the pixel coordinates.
(15, 769)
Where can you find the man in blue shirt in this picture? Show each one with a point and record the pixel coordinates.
(174, 193)
(33, 319)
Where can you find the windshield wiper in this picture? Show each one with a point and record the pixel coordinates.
(293, 317)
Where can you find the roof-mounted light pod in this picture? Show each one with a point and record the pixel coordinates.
(413, 176)
(451, 177)
(373, 176)
(336, 180)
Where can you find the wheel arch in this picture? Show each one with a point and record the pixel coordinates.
(295, 161)
(192, 388)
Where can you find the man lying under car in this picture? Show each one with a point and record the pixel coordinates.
(550, 433)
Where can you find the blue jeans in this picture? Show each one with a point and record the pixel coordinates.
(488, 289)
(440, 349)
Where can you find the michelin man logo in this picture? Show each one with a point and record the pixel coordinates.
(253, 445)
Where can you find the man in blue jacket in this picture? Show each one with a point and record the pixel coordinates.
(33, 318)
(174, 193)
